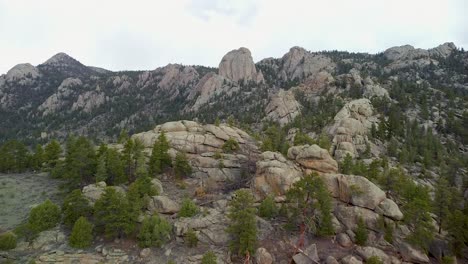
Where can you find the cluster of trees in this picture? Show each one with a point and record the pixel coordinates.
(16, 157)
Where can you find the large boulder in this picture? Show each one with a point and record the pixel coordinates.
(313, 159)
(350, 259)
(349, 216)
(390, 209)
(211, 227)
(94, 191)
(410, 254)
(367, 252)
(46, 240)
(282, 107)
(274, 175)
(307, 256)
(353, 189)
(163, 204)
(238, 65)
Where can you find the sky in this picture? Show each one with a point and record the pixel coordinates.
(144, 35)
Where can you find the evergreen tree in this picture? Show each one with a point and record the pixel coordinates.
(160, 159)
(101, 171)
(7, 241)
(346, 165)
(123, 136)
(155, 232)
(268, 208)
(132, 152)
(182, 167)
(113, 214)
(243, 225)
(82, 234)
(38, 157)
(188, 208)
(191, 238)
(209, 258)
(80, 162)
(75, 205)
(52, 153)
(44, 216)
(361, 232)
(457, 228)
(115, 168)
(302, 196)
(442, 201)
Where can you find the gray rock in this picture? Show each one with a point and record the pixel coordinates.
(350, 259)
(331, 260)
(411, 254)
(309, 255)
(238, 65)
(313, 158)
(389, 208)
(344, 240)
(368, 252)
(163, 204)
(282, 107)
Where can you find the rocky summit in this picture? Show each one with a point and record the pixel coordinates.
(312, 157)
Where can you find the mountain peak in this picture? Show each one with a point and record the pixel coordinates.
(60, 59)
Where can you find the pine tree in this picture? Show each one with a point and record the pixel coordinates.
(82, 234)
(347, 165)
(182, 167)
(268, 208)
(80, 162)
(113, 213)
(7, 241)
(361, 232)
(44, 216)
(160, 159)
(52, 153)
(188, 208)
(301, 197)
(132, 152)
(457, 228)
(38, 157)
(115, 168)
(243, 225)
(155, 232)
(101, 171)
(75, 205)
(442, 201)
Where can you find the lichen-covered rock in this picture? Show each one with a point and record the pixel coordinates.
(368, 252)
(211, 227)
(313, 158)
(282, 107)
(274, 175)
(411, 254)
(390, 209)
(353, 189)
(163, 204)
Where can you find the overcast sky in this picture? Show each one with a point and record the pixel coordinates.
(121, 35)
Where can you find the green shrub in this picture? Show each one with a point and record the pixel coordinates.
(182, 167)
(7, 241)
(188, 208)
(82, 234)
(209, 258)
(268, 208)
(374, 260)
(230, 145)
(191, 238)
(74, 206)
(361, 232)
(44, 216)
(155, 232)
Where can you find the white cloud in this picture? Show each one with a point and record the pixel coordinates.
(145, 34)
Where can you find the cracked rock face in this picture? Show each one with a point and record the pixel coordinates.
(22, 73)
(237, 65)
(203, 146)
(350, 128)
(283, 107)
(299, 64)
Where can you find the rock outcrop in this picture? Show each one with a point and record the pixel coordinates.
(313, 159)
(63, 95)
(282, 107)
(298, 64)
(163, 204)
(274, 175)
(23, 73)
(203, 145)
(350, 128)
(443, 50)
(238, 66)
(208, 87)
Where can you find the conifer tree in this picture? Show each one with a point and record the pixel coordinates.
(182, 167)
(101, 171)
(74, 206)
(243, 225)
(52, 153)
(44, 216)
(82, 233)
(113, 214)
(38, 157)
(160, 159)
(155, 232)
